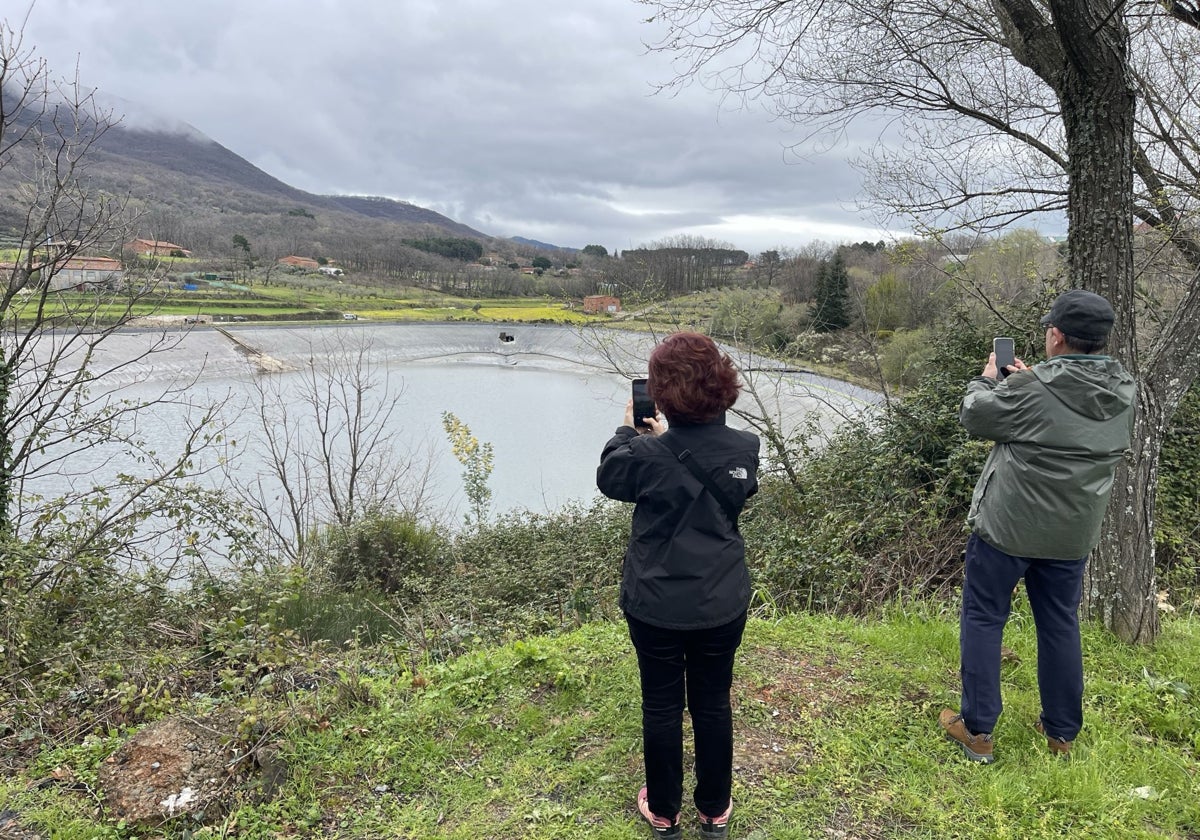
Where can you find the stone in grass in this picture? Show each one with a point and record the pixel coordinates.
(173, 768)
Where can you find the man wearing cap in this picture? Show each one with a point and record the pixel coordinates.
(1060, 428)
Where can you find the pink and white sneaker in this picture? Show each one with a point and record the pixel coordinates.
(716, 826)
(661, 826)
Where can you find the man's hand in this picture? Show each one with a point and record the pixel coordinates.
(990, 371)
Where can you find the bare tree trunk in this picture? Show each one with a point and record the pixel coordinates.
(824, 64)
(1119, 588)
(1085, 59)
(6, 375)
(1098, 117)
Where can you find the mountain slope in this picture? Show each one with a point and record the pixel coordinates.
(197, 156)
(401, 212)
(541, 246)
(182, 183)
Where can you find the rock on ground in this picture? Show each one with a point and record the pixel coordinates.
(174, 767)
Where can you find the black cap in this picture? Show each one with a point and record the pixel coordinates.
(1081, 314)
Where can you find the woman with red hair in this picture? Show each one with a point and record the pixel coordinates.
(684, 584)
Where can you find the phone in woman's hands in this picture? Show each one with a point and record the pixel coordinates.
(643, 406)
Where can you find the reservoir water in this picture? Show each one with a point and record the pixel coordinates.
(546, 400)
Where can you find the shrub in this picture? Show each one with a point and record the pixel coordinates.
(756, 318)
(385, 549)
(248, 615)
(906, 356)
(545, 570)
(1177, 513)
(879, 510)
(57, 610)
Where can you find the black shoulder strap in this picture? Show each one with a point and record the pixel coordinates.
(685, 458)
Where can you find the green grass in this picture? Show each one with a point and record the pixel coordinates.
(282, 300)
(836, 737)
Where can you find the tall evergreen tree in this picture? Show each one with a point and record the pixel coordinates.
(831, 303)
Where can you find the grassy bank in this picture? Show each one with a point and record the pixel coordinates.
(836, 737)
(285, 301)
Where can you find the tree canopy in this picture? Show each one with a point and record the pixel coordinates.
(450, 247)
(831, 303)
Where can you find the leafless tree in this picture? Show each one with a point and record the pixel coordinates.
(327, 447)
(780, 404)
(995, 111)
(78, 478)
(686, 263)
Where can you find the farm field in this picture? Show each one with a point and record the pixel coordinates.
(279, 302)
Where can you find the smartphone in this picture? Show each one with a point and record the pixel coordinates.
(1004, 350)
(643, 406)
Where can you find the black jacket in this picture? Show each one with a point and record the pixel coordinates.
(685, 566)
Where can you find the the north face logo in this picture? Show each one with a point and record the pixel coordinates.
(739, 472)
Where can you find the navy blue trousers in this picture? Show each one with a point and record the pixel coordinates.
(1054, 588)
(693, 667)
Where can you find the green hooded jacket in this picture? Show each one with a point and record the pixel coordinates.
(1060, 429)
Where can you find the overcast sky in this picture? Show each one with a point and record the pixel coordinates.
(531, 118)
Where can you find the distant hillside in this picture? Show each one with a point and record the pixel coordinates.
(197, 156)
(186, 187)
(193, 155)
(542, 246)
(400, 211)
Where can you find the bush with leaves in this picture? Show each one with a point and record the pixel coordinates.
(881, 510)
(907, 356)
(542, 571)
(756, 318)
(387, 550)
(881, 506)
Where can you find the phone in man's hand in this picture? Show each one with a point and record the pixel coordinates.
(643, 406)
(1004, 350)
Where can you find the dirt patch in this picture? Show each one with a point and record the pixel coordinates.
(775, 716)
(11, 828)
(156, 321)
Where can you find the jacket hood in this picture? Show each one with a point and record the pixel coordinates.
(1098, 387)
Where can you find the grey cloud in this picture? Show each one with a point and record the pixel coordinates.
(526, 117)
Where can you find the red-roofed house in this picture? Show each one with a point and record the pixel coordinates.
(300, 262)
(154, 248)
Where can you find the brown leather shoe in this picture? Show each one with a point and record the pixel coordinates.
(1058, 746)
(976, 747)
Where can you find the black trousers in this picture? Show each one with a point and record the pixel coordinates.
(692, 667)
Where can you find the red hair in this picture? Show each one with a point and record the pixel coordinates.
(691, 380)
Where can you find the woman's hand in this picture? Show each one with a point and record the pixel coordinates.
(655, 424)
